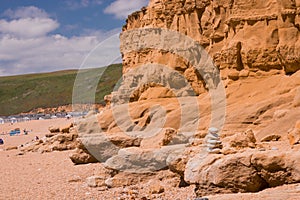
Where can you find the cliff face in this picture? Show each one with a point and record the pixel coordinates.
(164, 126)
(244, 37)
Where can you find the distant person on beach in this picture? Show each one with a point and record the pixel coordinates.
(36, 138)
(1, 141)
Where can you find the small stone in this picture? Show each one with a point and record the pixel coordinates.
(74, 179)
(213, 130)
(49, 135)
(82, 156)
(53, 129)
(233, 75)
(213, 141)
(241, 140)
(216, 151)
(270, 138)
(244, 73)
(155, 187)
(261, 149)
(103, 188)
(274, 149)
(115, 182)
(95, 181)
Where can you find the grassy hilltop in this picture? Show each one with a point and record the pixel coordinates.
(23, 93)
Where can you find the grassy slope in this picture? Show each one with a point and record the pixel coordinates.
(25, 92)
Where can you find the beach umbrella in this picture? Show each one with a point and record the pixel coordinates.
(26, 119)
(13, 120)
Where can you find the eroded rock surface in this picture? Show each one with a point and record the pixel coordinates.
(250, 171)
(164, 102)
(243, 37)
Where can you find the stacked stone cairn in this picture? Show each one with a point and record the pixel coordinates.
(213, 142)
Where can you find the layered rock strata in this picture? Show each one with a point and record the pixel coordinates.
(255, 44)
(244, 38)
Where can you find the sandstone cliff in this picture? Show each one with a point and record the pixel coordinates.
(244, 37)
(156, 122)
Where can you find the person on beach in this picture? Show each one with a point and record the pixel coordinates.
(1, 141)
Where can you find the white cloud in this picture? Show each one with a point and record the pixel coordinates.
(27, 22)
(27, 46)
(26, 12)
(28, 27)
(55, 52)
(122, 8)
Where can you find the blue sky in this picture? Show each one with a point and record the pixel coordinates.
(48, 35)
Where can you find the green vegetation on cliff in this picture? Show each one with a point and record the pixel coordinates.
(23, 93)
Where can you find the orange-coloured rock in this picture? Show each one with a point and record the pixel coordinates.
(244, 38)
(255, 45)
(156, 93)
(241, 140)
(82, 156)
(294, 136)
(162, 138)
(249, 171)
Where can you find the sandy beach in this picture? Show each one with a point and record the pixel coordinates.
(35, 127)
(41, 176)
(33, 175)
